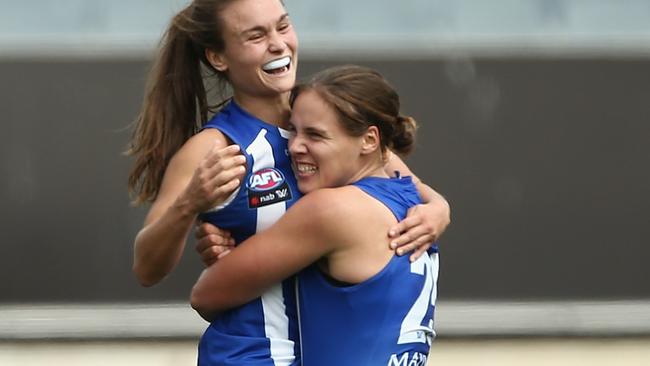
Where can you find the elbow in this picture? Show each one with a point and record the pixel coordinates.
(145, 282)
(448, 207)
(202, 304)
(196, 300)
(145, 278)
(149, 267)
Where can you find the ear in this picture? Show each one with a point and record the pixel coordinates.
(216, 60)
(371, 140)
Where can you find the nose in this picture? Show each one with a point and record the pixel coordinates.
(296, 145)
(276, 42)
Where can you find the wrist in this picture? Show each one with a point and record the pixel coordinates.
(184, 209)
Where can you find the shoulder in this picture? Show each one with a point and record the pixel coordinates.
(319, 222)
(332, 201)
(185, 161)
(203, 141)
(197, 147)
(181, 168)
(331, 209)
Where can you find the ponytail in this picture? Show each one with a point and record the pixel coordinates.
(175, 104)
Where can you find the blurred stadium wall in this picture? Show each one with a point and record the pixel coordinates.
(533, 122)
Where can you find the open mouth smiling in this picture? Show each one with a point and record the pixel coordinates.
(305, 169)
(277, 66)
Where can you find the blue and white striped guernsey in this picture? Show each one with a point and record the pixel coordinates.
(264, 331)
(386, 320)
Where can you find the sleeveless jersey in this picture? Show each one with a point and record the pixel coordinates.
(385, 320)
(264, 331)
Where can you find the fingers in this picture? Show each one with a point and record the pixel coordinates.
(218, 154)
(205, 228)
(213, 240)
(230, 183)
(417, 253)
(228, 159)
(223, 171)
(404, 225)
(413, 234)
(418, 231)
(208, 259)
(403, 232)
(223, 158)
(224, 253)
(212, 253)
(219, 174)
(408, 244)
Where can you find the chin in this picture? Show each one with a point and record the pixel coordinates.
(306, 188)
(286, 85)
(279, 88)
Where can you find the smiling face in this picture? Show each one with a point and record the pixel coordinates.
(323, 153)
(260, 54)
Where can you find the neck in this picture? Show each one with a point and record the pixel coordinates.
(373, 168)
(273, 110)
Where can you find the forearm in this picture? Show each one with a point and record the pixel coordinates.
(201, 175)
(429, 195)
(159, 245)
(238, 278)
(243, 275)
(301, 236)
(424, 223)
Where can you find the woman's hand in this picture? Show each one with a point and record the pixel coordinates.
(212, 243)
(423, 225)
(214, 180)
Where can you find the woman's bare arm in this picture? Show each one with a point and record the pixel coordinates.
(424, 223)
(203, 173)
(308, 231)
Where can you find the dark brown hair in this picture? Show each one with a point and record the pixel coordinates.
(176, 101)
(362, 98)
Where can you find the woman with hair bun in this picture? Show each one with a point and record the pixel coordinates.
(358, 302)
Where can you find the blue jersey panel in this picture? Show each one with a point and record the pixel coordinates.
(264, 331)
(385, 320)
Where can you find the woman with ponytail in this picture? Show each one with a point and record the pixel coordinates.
(359, 303)
(210, 144)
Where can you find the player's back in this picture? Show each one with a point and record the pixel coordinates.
(384, 320)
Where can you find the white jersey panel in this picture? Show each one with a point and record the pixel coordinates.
(276, 320)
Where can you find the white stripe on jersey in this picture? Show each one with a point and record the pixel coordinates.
(435, 269)
(261, 151)
(276, 322)
(276, 326)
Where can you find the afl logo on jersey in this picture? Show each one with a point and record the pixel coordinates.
(267, 186)
(265, 179)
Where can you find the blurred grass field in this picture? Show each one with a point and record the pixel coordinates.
(457, 352)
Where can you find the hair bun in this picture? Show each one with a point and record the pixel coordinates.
(403, 139)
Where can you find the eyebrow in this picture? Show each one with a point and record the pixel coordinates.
(259, 28)
(317, 130)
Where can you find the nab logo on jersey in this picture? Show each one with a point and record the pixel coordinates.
(265, 179)
(267, 186)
